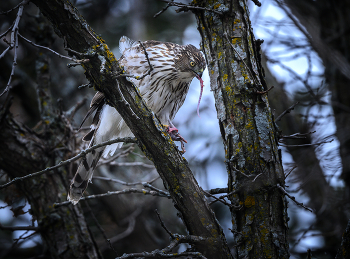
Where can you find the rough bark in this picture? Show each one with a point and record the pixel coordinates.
(172, 167)
(247, 128)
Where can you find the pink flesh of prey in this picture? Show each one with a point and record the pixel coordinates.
(200, 95)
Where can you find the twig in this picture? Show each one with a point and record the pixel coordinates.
(125, 183)
(162, 11)
(85, 85)
(78, 61)
(4, 52)
(265, 92)
(14, 44)
(298, 77)
(163, 225)
(147, 185)
(164, 253)
(148, 61)
(286, 111)
(19, 228)
(218, 190)
(293, 198)
(291, 170)
(256, 2)
(99, 226)
(184, 8)
(298, 135)
(256, 177)
(226, 195)
(62, 163)
(248, 69)
(14, 8)
(7, 31)
(222, 201)
(70, 114)
(307, 145)
(160, 254)
(234, 168)
(131, 164)
(110, 193)
(125, 102)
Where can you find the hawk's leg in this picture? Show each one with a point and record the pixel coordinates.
(175, 135)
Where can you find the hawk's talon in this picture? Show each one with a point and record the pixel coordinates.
(172, 130)
(175, 136)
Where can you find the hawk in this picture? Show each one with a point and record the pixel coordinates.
(164, 91)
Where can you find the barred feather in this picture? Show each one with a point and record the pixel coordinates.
(164, 91)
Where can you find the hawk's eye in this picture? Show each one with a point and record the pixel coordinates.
(192, 63)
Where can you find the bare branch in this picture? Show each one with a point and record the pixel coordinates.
(291, 170)
(163, 225)
(286, 111)
(99, 226)
(184, 8)
(162, 11)
(110, 193)
(62, 163)
(298, 135)
(265, 92)
(14, 8)
(125, 183)
(7, 31)
(293, 198)
(218, 190)
(164, 253)
(14, 44)
(222, 200)
(15, 228)
(78, 61)
(131, 164)
(307, 145)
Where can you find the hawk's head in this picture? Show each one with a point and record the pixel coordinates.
(190, 61)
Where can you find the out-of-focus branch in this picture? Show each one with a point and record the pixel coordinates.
(68, 161)
(13, 44)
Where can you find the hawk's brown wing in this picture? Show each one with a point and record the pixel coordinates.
(96, 104)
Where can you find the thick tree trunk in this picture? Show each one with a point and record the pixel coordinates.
(247, 128)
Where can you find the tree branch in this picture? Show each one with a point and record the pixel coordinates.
(68, 161)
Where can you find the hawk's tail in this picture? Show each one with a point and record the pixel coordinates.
(83, 175)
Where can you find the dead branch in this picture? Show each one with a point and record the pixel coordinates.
(286, 111)
(110, 193)
(293, 198)
(68, 161)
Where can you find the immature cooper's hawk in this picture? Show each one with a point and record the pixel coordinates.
(164, 91)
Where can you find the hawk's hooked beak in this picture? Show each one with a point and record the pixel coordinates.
(199, 74)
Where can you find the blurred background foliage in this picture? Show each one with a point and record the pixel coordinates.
(296, 68)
